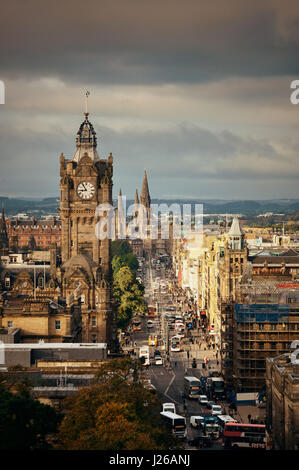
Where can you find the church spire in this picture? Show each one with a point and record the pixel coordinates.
(4, 242)
(136, 201)
(145, 195)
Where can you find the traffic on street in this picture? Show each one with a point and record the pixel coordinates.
(182, 365)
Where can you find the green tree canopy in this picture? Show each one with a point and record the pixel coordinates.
(118, 413)
(25, 423)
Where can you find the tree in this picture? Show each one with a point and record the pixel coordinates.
(117, 413)
(25, 423)
(129, 295)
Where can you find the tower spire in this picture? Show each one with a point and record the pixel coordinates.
(145, 198)
(136, 200)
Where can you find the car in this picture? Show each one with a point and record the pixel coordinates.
(196, 421)
(157, 353)
(169, 407)
(203, 399)
(210, 404)
(158, 361)
(150, 324)
(216, 410)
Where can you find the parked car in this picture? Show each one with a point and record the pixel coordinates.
(203, 399)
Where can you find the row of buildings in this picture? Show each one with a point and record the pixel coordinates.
(249, 299)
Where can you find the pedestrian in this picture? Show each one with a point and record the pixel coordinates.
(175, 363)
(249, 418)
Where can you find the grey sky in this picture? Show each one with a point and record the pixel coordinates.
(196, 92)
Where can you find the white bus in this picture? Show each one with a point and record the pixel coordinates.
(176, 423)
(192, 387)
(144, 352)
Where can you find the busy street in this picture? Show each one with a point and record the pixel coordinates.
(180, 347)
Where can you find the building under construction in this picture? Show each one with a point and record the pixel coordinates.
(261, 323)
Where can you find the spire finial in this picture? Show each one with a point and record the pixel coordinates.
(87, 93)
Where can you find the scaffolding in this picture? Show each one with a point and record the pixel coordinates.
(260, 322)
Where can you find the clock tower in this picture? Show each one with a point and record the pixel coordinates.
(86, 182)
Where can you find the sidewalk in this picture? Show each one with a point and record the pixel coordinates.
(254, 411)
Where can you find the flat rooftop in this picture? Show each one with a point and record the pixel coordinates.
(56, 346)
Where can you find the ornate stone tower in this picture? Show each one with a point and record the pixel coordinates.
(86, 182)
(3, 235)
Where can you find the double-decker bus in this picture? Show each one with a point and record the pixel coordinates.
(192, 387)
(238, 435)
(223, 419)
(175, 343)
(176, 423)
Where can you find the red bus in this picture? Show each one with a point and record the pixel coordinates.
(239, 435)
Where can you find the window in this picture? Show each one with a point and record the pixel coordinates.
(93, 321)
(9, 324)
(57, 324)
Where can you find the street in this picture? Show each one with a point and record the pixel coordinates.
(168, 379)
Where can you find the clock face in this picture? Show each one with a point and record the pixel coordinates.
(85, 190)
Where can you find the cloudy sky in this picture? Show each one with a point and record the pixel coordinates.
(196, 92)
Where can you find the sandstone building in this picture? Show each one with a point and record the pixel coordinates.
(82, 276)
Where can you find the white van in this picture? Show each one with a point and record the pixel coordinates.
(196, 421)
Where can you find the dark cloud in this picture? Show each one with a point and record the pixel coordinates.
(130, 41)
(185, 155)
(232, 58)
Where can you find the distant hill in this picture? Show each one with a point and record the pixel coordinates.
(49, 205)
(14, 206)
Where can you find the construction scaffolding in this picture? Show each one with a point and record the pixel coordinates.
(260, 323)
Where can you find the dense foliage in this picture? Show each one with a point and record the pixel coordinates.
(25, 423)
(128, 292)
(117, 413)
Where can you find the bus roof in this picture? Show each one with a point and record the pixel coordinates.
(190, 378)
(226, 418)
(247, 425)
(171, 415)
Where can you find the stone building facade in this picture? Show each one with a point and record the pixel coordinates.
(33, 233)
(86, 183)
(70, 300)
(282, 382)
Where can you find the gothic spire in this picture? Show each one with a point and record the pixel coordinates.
(136, 201)
(145, 195)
